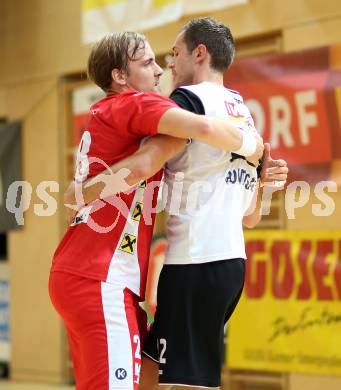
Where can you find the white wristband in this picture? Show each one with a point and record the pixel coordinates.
(249, 145)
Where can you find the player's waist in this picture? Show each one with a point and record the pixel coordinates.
(173, 258)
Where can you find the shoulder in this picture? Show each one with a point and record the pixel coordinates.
(132, 101)
(188, 100)
(134, 95)
(236, 95)
(233, 91)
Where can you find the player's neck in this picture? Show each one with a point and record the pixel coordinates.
(208, 75)
(117, 89)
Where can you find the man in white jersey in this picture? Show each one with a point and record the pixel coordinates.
(203, 275)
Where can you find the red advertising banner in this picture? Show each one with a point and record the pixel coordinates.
(295, 101)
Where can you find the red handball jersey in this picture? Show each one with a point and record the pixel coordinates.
(110, 240)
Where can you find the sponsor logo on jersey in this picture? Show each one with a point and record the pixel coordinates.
(242, 177)
(82, 216)
(121, 374)
(94, 111)
(143, 184)
(128, 243)
(234, 110)
(136, 216)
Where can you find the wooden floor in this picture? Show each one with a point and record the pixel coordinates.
(5, 385)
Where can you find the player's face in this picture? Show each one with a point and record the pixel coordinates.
(143, 72)
(182, 65)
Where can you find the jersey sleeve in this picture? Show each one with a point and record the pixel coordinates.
(139, 113)
(188, 100)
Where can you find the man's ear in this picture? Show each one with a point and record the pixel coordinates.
(119, 77)
(200, 53)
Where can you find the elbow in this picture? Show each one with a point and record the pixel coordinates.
(250, 222)
(249, 225)
(206, 128)
(142, 171)
(137, 174)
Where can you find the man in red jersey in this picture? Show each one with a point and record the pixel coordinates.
(99, 270)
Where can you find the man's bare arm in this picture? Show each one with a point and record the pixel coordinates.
(141, 165)
(272, 170)
(253, 216)
(215, 132)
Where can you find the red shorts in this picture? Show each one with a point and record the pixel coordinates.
(105, 327)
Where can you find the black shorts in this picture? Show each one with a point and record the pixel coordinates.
(194, 301)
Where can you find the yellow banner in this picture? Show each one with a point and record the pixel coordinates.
(162, 3)
(89, 5)
(201, 6)
(289, 317)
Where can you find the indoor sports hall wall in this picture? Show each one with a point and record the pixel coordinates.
(41, 58)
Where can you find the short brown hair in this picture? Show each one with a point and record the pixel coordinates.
(215, 36)
(115, 50)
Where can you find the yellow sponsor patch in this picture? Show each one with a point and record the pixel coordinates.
(128, 244)
(143, 184)
(136, 216)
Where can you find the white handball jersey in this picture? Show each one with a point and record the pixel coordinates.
(207, 191)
